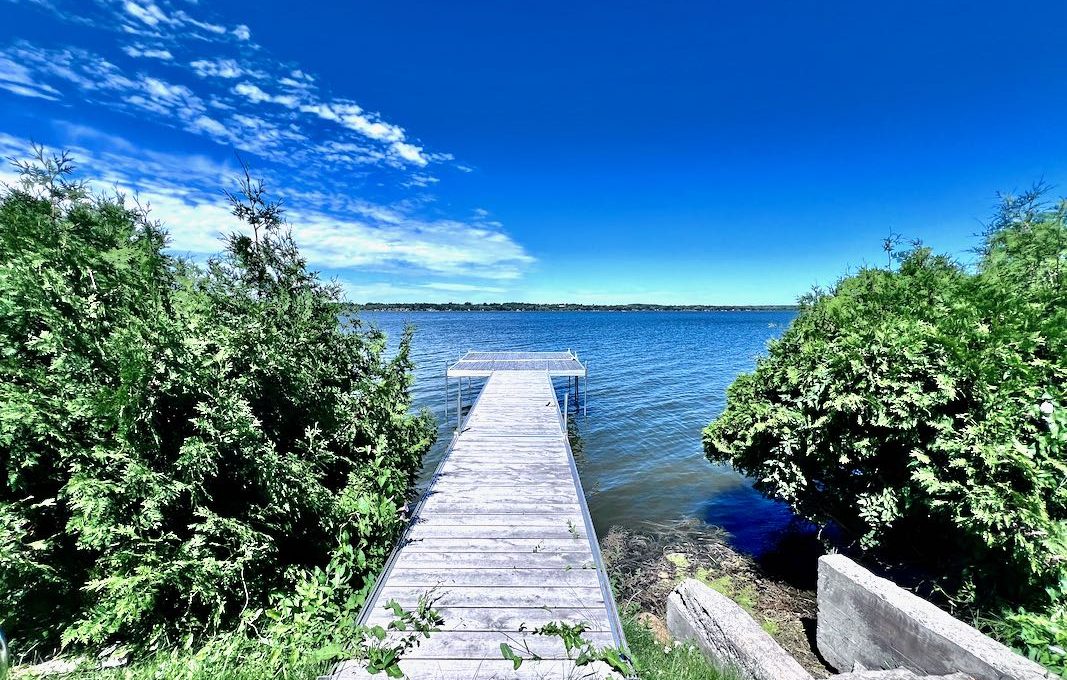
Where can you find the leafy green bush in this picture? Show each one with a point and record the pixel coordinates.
(922, 410)
(1042, 637)
(183, 447)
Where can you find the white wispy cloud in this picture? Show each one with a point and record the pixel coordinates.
(217, 29)
(210, 126)
(418, 180)
(381, 291)
(166, 28)
(172, 94)
(348, 153)
(16, 78)
(462, 287)
(255, 94)
(147, 12)
(352, 116)
(54, 73)
(437, 246)
(217, 68)
(410, 153)
(147, 17)
(172, 64)
(391, 291)
(184, 192)
(147, 53)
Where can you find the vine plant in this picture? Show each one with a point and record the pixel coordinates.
(384, 653)
(582, 651)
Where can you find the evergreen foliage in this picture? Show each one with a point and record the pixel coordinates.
(185, 450)
(923, 410)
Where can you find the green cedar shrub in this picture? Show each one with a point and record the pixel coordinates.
(922, 409)
(185, 450)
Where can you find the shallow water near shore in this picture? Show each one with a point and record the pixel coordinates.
(655, 380)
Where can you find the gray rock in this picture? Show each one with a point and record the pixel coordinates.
(727, 634)
(867, 620)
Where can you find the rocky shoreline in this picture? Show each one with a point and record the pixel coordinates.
(646, 566)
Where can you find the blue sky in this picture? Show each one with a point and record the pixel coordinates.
(671, 152)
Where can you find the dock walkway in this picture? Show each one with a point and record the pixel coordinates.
(503, 537)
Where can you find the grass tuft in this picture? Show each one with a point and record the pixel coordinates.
(674, 661)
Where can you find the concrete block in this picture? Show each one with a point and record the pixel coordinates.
(896, 674)
(867, 620)
(727, 634)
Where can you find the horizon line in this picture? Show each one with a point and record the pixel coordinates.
(792, 305)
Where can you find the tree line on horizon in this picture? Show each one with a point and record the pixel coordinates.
(553, 307)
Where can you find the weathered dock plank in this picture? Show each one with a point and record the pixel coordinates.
(486, 519)
(482, 645)
(496, 577)
(575, 604)
(505, 470)
(487, 545)
(512, 531)
(505, 621)
(498, 560)
(488, 669)
(522, 507)
(502, 538)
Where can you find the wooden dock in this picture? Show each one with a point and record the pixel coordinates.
(503, 537)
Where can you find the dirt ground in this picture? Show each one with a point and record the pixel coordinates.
(645, 566)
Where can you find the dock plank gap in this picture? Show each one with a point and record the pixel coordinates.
(502, 537)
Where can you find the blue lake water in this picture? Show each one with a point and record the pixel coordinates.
(655, 380)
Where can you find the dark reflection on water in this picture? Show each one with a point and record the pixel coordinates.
(656, 379)
(751, 520)
(784, 545)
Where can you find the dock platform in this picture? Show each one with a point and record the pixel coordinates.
(502, 536)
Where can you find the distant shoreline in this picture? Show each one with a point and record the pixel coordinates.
(559, 307)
